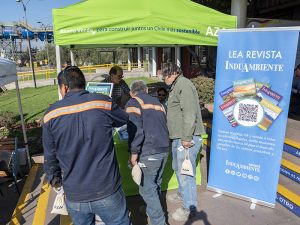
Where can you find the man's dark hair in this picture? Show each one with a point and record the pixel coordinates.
(114, 70)
(72, 77)
(162, 89)
(171, 68)
(297, 67)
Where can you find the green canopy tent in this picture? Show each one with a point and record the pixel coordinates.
(132, 23)
(138, 23)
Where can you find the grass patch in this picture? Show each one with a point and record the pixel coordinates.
(35, 102)
(148, 80)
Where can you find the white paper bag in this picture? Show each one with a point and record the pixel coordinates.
(136, 174)
(98, 220)
(59, 206)
(186, 167)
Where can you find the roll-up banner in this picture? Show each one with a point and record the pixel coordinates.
(253, 86)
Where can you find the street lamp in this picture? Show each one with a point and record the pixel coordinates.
(28, 38)
(45, 39)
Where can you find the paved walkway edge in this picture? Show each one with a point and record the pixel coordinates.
(24, 197)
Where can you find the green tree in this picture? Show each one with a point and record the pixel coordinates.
(82, 56)
(42, 54)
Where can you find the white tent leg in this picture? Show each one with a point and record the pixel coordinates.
(58, 59)
(178, 56)
(58, 65)
(72, 58)
(23, 124)
(154, 66)
(148, 60)
(139, 57)
(129, 59)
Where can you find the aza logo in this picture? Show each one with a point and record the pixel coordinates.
(212, 31)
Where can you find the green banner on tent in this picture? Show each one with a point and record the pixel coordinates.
(105, 23)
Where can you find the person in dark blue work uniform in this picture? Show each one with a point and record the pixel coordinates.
(148, 144)
(79, 150)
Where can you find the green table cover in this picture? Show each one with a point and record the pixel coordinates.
(169, 180)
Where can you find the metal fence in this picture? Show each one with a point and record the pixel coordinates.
(52, 73)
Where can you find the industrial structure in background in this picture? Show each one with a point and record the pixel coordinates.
(13, 39)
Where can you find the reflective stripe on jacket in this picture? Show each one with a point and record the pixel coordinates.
(78, 141)
(147, 127)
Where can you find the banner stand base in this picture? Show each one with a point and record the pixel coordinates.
(252, 206)
(217, 195)
(252, 200)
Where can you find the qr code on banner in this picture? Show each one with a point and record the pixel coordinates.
(248, 112)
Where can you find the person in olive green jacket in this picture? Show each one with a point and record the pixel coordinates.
(185, 128)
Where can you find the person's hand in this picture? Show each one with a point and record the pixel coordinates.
(186, 144)
(133, 159)
(56, 182)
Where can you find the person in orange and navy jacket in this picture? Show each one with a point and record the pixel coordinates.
(148, 144)
(79, 150)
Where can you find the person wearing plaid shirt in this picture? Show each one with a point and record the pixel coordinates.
(120, 93)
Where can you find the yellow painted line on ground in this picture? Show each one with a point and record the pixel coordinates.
(41, 208)
(290, 166)
(288, 194)
(65, 220)
(292, 143)
(17, 214)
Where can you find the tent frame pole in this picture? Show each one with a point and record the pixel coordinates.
(154, 60)
(23, 124)
(139, 57)
(58, 66)
(72, 57)
(129, 59)
(178, 56)
(58, 58)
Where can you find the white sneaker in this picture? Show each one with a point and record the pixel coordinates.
(174, 198)
(181, 215)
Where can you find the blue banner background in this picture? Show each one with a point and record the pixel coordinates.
(245, 172)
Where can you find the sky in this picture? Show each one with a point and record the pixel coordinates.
(37, 10)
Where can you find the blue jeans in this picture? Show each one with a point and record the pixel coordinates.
(112, 210)
(151, 184)
(187, 184)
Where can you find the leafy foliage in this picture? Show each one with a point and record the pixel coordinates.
(4, 132)
(7, 119)
(82, 56)
(205, 87)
